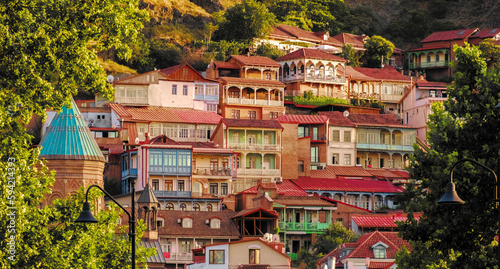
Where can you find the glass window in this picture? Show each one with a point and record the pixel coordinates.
(216, 257)
(186, 246)
(303, 131)
(174, 89)
(156, 184)
(214, 187)
(254, 256)
(169, 206)
(210, 208)
(198, 89)
(224, 187)
(183, 207)
(180, 185)
(196, 207)
(347, 159)
(215, 223)
(185, 90)
(335, 158)
(314, 154)
(379, 252)
(347, 136)
(301, 166)
(336, 136)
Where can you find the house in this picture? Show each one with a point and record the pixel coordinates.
(306, 146)
(247, 253)
(179, 86)
(313, 70)
(372, 250)
(341, 149)
(249, 87)
(379, 222)
(258, 145)
(345, 211)
(416, 105)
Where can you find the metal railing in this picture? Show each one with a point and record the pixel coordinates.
(300, 226)
(212, 171)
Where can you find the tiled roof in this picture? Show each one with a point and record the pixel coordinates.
(169, 70)
(310, 54)
(333, 171)
(131, 128)
(342, 203)
(147, 196)
(355, 40)
(172, 228)
(256, 60)
(160, 114)
(387, 73)
(336, 118)
(249, 211)
(378, 221)
(163, 140)
(449, 35)
(425, 83)
(301, 201)
(365, 243)
(247, 239)
(249, 123)
(386, 120)
(354, 185)
(252, 81)
(298, 33)
(68, 137)
(303, 119)
(486, 33)
(288, 188)
(380, 265)
(382, 173)
(401, 173)
(356, 75)
(226, 65)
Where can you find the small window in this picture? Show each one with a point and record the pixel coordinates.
(185, 90)
(214, 187)
(336, 136)
(159, 222)
(169, 206)
(156, 184)
(224, 188)
(379, 250)
(215, 223)
(216, 257)
(335, 158)
(182, 207)
(254, 256)
(210, 208)
(174, 89)
(347, 136)
(196, 207)
(301, 166)
(187, 223)
(180, 185)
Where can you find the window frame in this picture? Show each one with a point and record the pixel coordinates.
(211, 256)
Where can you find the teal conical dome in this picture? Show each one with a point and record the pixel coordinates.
(68, 138)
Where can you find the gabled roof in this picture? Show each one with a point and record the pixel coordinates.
(68, 138)
(225, 65)
(250, 211)
(353, 185)
(378, 120)
(353, 74)
(305, 53)
(302, 201)
(294, 32)
(255, 60)
(161, 114)
(382, 173)
(386, 73)
(336, 118)
(449, 35)
(147, 196)
(379, 221)
(355, 40)
(252, 81)
(303, 119)
(170, 70)
(365, 243)
(334, 171)
(285, 188)
(486, 33)
(429, 84)
(249, 123)
(249, 239)
(342, 203)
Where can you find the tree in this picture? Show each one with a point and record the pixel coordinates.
(330, 239)
(244, 22)
(350, 54)
(378, 51)
(48, 51)
(467, 126)
(269, 50)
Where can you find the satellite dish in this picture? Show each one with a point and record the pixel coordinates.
(346, 113)
(111, 79)
(137, 140)
(276, 237)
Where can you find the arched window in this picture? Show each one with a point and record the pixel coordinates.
(311, 70)
(210, 207)
(169, 206)
(196, 207)
(182, 207)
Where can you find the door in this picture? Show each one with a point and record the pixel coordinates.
(169, 185)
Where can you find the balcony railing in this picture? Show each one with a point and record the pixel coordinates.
(132, 100)
(384, 147)
(304, 227)
(172, 256)
(256, 147)
(212, 171)
(259, 172)
(185, 170)
(130, 172)
(429, 64)
(206, 97)
(172, 193)
(262, 102)
(314, 78)
(293, 256)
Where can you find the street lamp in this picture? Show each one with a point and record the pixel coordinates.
(450, 197)
(87, 217)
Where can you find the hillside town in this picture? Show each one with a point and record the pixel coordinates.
(228, 171)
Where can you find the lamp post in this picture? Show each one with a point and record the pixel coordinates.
(87, 217)
(450, 197)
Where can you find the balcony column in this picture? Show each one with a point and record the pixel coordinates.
(255, 96)
(391, 161)
(261, 73)
(379, 160)
(269, 96)
(241, 95)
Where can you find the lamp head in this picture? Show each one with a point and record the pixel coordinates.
(450, 197)
(86, 216)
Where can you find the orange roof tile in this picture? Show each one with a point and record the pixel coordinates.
(382, 173)
(356, 75)
(249, 123)
(301, 201)
(310, 54)
(387, 73)
(336, 118)
(386, 120)
(333, 171)
(161, 114)
(303, 119)
(365, 243)
(354, 185)
(256, 60)
(299, 33)
(449, 35)
(226, 65)
(285, 188)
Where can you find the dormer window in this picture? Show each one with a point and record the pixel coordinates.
(379, 250)
(187, 223)
(215, 223)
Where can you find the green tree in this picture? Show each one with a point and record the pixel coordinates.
(350, 54)
(378, 51)
(466, 127)
(244, 22)
(330, 239)
(48, 51)
(269, 50)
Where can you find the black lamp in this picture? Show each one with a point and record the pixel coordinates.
(450, 197)
(86, 216)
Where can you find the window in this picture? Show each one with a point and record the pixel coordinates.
(254, 256)
(186, 246)
(180, 185)
(379, 250)
(216, 257)
(169, 185)
(336, 136)
(214, 188)
(347, 159)
(335, 158)
(224, 188)
(303, 131)
(252, 114)
(174, 89)
(196, 207)
(182, 207)
(156, 184)
(169, 206)
(198, 89)
(301, 166)
(159, 222)
(215, 223)
(236, 138)
(252, 139)
(347, 136)
(314, 154)
(185, 90)
(210, 208)
(235, 113)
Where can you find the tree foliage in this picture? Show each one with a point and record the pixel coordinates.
(47, 52)
(467, 126)
(350, 54)
(378, 51)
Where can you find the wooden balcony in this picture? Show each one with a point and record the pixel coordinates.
(259, 172)
(321, 78)
(255, 147)
(208, 171)
(302, 227)
(438, 64)
(132, 100)
(260, 102)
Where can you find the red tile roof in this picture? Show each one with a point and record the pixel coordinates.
(285, 188)
(387, 73)
(256, 60)
(354, 185)
(333, 171)
(378, 221)
(355, 40)
(249, 123)
(301, 201)
(249, 211)
(298, 33)
(303, 119)
(425, 83)
(386, 120)
(160, 114)
(382, 173)
(486, 33)
(356, 75)
(169, 70)
(310, 54)
(342, 203)
(336, 118)
(365, 243)
(449, 35)
(380, 265)
(226, 65)
(252, 81)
